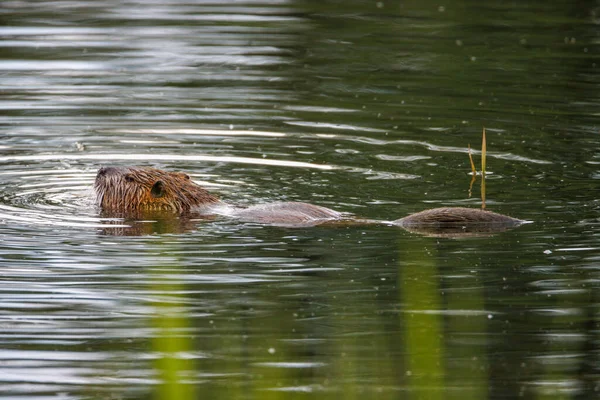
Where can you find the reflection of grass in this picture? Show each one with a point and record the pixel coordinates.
(424, 330)
(171, 342)
(445, 334)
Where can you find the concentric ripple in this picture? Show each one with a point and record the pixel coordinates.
(58, 197)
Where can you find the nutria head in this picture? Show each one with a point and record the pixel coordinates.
(134, 190)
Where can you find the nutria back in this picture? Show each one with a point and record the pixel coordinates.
(456, 216)
(289, 213)
(131, 190)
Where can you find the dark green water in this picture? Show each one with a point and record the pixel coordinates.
(362, 106)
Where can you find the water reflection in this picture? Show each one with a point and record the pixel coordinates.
(367, 108)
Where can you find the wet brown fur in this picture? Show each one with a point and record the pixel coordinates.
(132, 190)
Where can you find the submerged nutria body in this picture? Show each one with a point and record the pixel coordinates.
(135, 191)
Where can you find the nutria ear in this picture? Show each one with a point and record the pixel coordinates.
(158, 189)
(129, 178)
(181, 175)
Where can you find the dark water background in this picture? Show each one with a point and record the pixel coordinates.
(362, 106)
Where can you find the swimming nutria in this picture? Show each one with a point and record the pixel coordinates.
(130, 191)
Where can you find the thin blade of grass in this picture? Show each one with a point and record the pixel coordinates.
(473, 170)
(483, 152)
(483, 155)
(482, 190)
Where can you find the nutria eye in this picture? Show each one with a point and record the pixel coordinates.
(129, 178)
(186, 177)
(158, 189)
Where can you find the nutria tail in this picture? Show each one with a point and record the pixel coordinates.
(135, 190)
(456, 216)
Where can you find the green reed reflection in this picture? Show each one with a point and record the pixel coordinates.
(420, 294)
(171, 343)
(445, 326)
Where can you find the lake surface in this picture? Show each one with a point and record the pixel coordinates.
(364, 107)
